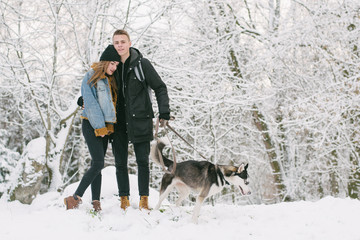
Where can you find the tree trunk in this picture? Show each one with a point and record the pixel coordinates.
(274, 163)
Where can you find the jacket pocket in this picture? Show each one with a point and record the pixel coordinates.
(140, 106)
(100, 88)
(142, 126)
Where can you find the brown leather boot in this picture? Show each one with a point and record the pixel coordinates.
(125, 203)
(96, 205)
(144, 203)
(71, 202)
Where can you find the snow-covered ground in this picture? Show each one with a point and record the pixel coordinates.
(329, 218)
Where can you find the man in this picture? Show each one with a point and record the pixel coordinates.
(134, 115)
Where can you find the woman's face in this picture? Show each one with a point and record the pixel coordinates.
(112, 68)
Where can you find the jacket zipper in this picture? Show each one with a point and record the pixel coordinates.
(122, 79)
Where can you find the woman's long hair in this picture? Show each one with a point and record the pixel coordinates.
(100, 73)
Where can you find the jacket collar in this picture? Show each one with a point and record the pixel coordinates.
(135, 57)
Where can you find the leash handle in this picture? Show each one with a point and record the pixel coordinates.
(172, 147)
(156, 129)
(163, 124)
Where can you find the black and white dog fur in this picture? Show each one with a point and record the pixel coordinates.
(200, 176)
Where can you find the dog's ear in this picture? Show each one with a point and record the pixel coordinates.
(241, 168)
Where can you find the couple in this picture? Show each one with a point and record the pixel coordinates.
(117, 103)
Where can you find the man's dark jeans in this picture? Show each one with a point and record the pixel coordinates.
(120, 151)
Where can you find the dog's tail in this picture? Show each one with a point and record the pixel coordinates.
(156, 149)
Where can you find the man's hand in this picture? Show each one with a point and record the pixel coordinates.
(163, 122)
(163, 119)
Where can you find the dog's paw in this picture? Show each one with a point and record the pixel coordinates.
(195, 220)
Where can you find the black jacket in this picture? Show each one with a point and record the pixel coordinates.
(134, 108)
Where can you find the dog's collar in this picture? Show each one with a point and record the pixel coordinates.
(222, 177)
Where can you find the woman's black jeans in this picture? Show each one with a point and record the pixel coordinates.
(97, 148)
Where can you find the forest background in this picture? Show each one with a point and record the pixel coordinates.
(273, 83)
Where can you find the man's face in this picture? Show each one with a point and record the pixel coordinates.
(122, 45)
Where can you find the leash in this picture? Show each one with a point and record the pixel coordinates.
(166, 124)
(184, 140)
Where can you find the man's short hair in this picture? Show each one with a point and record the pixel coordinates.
(121, 32)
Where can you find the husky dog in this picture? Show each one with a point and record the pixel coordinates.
(200, 176)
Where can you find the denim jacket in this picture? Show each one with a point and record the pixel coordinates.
(99, 107)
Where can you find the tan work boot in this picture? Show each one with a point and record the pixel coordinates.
(125, 203)
(96, 205)
(144, 203)
(71, 202)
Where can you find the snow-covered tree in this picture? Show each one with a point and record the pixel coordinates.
(269, 82)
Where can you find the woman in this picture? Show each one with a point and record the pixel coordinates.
(99, 90)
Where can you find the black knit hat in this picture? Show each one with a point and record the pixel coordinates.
(110, 54)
